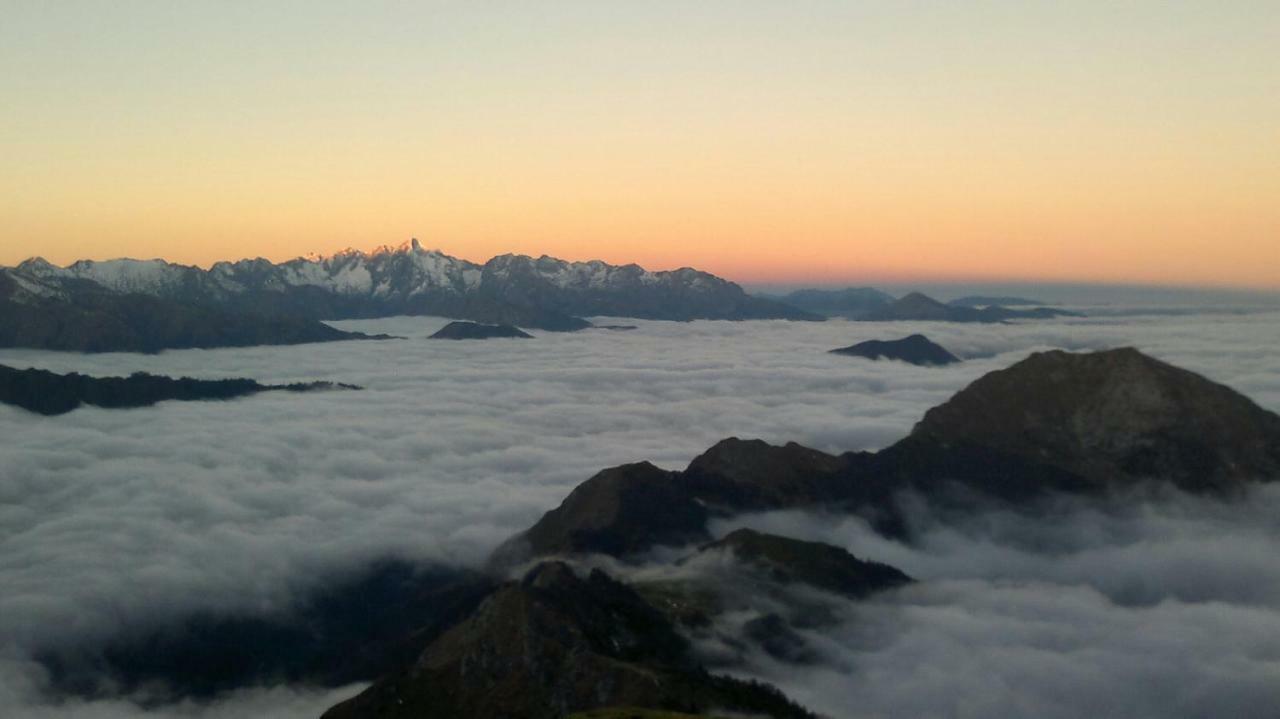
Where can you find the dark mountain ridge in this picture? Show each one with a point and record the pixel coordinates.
(1088, 423)
(49, 393)
(82, 316)
(918, 306)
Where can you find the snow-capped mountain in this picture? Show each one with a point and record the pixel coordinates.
(545, 292)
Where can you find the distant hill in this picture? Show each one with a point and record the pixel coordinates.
(919, 306)
(915, 349)
(50, 393)
(851, 302)
(994, 301)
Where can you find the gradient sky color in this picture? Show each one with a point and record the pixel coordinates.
(766, 141)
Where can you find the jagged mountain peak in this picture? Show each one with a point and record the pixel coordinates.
(36, 264)
(544, 293)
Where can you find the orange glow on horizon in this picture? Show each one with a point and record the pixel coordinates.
(1132, 143)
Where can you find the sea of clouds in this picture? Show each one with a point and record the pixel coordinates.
(117, 519)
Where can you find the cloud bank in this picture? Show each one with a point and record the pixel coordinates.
(1166, 606)
(111, 520)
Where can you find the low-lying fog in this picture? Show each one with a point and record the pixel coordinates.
(112, 519)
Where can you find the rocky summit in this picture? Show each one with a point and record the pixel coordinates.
(1111, 418)
(619, 511)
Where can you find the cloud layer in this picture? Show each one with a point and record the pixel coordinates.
(1164, 606)
(116, 519)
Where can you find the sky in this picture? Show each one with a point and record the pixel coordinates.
(806, 142)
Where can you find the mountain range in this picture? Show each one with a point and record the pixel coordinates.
(919, 306)
(69, 314)
(543, 293)
(151, 305)
(872, 305)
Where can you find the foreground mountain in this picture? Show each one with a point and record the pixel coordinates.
(851, 302)
(553, 643)
(1111, 418)
(49, 393)
(544, 293)
(81, 316)
(476, 331)
(918, 306)
(914, 349)
(1094, 424)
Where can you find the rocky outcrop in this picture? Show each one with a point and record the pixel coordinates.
(746, 474)
(619, 511)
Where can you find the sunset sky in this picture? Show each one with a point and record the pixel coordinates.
(1133, 142)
